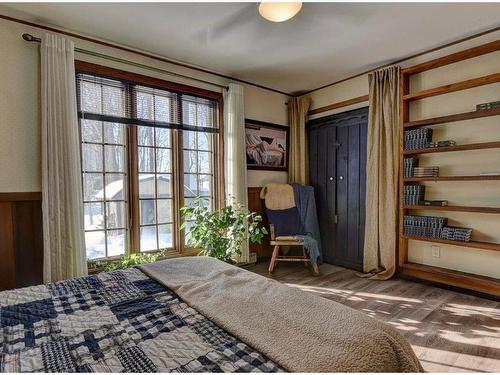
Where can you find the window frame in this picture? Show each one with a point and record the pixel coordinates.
(132, 170)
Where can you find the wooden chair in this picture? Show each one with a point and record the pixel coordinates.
(288, 241)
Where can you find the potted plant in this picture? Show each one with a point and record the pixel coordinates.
(220, 234)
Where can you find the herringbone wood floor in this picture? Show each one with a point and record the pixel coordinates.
(449, 331)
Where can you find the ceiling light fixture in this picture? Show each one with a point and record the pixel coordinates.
(279, 12)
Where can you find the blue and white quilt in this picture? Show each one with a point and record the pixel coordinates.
(122, 321)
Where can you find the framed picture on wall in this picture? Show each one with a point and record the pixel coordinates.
(266, 145)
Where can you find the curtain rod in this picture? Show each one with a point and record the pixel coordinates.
(30, 38)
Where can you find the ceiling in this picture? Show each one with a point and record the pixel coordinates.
(324, 43)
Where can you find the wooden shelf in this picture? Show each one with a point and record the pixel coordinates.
(452, 118)
(484, 210)
(452, 178)
(472, 244)
(471, 146)
(430, 273)
(463, 85)
(454, 57)
(446, 276)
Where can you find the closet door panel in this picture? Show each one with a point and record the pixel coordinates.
(342, 233)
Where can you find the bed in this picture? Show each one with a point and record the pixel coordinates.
(192, 314)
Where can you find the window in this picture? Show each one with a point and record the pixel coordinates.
(146, 151)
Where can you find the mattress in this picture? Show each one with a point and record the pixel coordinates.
(122, 321)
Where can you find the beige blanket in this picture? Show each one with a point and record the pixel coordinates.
(278, 196)
(296, 329)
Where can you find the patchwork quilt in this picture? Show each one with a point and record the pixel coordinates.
(121, 321)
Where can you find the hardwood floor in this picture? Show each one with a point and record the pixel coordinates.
(449, 331)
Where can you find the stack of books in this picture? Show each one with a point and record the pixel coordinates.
(491, 105)
(456, 234)
(424, 226)
(409, 164)
(413, 195)
(417, 138)
(425, 171)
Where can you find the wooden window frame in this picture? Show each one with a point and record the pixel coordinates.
(179, 247)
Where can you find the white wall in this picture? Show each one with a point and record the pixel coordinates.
(20, 157)
(486, 226)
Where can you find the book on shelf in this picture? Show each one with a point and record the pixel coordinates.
(489, 174)
(417, 138)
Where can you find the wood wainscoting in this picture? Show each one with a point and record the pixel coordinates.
(255, 204)
(21, 242)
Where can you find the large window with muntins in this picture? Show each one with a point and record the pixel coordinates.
(146, 152)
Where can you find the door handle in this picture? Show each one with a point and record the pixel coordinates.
(341, 177)
(331, 178)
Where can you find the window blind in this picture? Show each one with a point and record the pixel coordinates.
(114, 101)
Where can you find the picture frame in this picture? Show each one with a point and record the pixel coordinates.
(266, 146)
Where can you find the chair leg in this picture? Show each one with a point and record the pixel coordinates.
(272, 265)
(304, 254)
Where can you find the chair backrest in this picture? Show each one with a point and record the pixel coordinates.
(281, 212)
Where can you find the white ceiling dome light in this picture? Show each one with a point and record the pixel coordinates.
(279, 12)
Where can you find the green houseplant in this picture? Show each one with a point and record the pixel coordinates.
(130, 260)
(220, 234)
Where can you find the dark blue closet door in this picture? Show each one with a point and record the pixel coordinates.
(338, 174)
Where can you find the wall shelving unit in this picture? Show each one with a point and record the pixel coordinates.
(426, 272)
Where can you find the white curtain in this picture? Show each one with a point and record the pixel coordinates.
(63, 236)
(235, 152)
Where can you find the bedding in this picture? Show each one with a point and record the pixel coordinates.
(298, 330)
(122, 321)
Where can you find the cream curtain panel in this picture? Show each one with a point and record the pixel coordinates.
(382, 174)
(63, 236)
(235, 153)
(298, 170)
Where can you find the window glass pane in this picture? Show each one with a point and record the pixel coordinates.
(189, 113)
(92, 157)
(204, 162)
(146, 159)
(164, 236)
(163, 160)
(115, 215)
(190, 185)
(147, 211)
(162, 108)
(93, 187)
(95, 245)
(164, 210)
(148, 238)
(205, 185)
(145, 107)
(145, 136)
(91, 131)
(204, 141)
(116, 242)
(93, 216)
(162, 137)
(90, 97)
(203, 118)
(189, 139)
(115, 185)
(114, 133)
(190, 161)
(164, 185)
(114, 158)
(113, 101)
(146, 186)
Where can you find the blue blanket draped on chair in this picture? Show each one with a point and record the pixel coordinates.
(306, 204)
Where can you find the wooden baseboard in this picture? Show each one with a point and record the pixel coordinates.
(487, 286)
